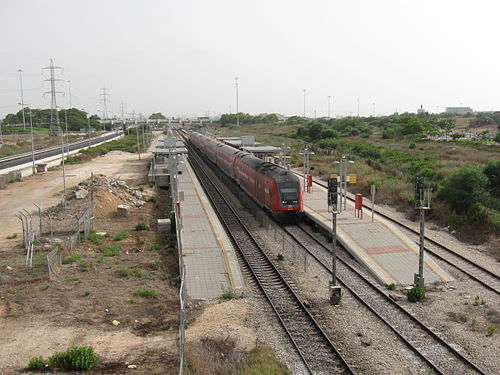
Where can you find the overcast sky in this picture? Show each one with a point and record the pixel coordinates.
(181, 57)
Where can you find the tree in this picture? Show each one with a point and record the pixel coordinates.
(492, 173)
(464, 188)
(157, 116)
(315, 130)
(447, 125)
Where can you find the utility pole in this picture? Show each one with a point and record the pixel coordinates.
(54, 115)
(237, 103)
(335, 290)
(329, 106)
(89, 128)
(373, 104)
(22, 96)
(104, 94)
(122, 107)
(358, 106)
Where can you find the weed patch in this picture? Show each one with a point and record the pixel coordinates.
(71, 259)
(120, 236)
(94, 237)
(76, 358)
(12, 236)
(141, 225)
(416, 294)
(37, 363)
(148, 293)
(111, 251)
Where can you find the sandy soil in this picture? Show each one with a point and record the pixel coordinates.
(39, 316)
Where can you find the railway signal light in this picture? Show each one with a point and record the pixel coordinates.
(332, 192)
(419, 190)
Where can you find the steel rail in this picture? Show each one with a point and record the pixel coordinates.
(443, 247)
(374, 287)
(275, 287)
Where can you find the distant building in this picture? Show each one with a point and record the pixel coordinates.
(421, 110)
(459, 110)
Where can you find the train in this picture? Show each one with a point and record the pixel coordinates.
(272, 187)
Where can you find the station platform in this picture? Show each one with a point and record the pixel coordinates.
(211, 266)
(381, 247)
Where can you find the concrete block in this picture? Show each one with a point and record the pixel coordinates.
(164, 225)
(122, 211)
(81, 193)
(41, 168)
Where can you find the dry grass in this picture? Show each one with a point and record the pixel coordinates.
(214, 356)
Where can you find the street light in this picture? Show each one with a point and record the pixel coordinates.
(32, 140)
(237, 103)
(22, 96)
(304, 112)
(358, 106)
(329, 106)
(343, 180)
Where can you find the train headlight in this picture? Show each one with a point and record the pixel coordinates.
(283, 202)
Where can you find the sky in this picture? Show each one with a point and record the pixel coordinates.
(181, 58)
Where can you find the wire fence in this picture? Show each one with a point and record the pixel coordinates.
(59, 230)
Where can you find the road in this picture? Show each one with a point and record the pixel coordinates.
(42, 155)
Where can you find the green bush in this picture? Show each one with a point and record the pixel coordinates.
(93, 237)
(141, 225)
(37, 363)
(153, 198)
(76, 358)
(120, 236)
(391, 286)
(228, 295)
(71, 259)
(111, 251)
(416, 294)
(148, 293)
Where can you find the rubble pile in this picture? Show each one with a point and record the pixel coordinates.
(114, 186)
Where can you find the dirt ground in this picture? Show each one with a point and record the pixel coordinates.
(39, 316)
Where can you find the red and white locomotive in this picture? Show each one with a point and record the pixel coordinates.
(272, 187)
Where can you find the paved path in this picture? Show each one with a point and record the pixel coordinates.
(387, 253)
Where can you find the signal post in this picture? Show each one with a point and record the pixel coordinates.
(335, 290)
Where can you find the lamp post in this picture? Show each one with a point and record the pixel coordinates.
(329, 106)
(32, 141)
(343, 180)
(237, 103)
(22, 96)
(358, 106)
(304, 112)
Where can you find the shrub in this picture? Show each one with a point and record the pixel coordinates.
(71, 259)
(141, 225)
(416, 294)
(391, 286)
(228, 295)
(37, 363)
(111, 251)
(86, 293)
(140, 188)
(12, 236)
(491, 331)
(153, 198)
(85, 266)
(411, 146)
(148, 293)
(477, 301)
(137, 272)
(120, 236)
(75, 358)
(93, 237)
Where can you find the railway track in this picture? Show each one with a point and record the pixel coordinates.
(488, 279)
(441, 356)
(318, 353)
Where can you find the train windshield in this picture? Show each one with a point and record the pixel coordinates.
(289, 194)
